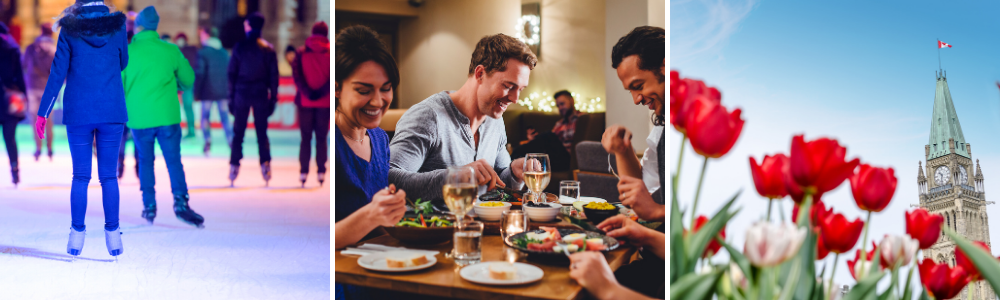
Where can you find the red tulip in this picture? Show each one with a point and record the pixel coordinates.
(712, 130)
(768, 175)
(795, 191)
(942, 281)
(873, 187)
(713, 246)
(816, 213)
(838, 234)
(821, 251)
(682, 95)
(923, 226)
(818, 166)
(962, 260)
(858, 266)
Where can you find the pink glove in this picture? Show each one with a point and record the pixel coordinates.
(40, 128)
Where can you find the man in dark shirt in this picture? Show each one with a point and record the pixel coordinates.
(253, 83)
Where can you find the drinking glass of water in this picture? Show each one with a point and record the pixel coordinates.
(468, 243)
(513, 222)
(569, 189)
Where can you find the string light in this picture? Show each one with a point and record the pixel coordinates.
(544, 103)
(528, 20)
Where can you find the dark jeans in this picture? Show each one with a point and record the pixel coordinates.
(206, 124)
(127, 134)
(242, 113)
(170, 144)
(81, 139)
(313, 120)
(8, 139)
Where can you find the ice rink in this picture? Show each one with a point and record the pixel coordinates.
(258, 243)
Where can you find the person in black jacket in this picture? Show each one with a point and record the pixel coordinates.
(211, 84)
(187, 96)
(13, 80)
(253, 83)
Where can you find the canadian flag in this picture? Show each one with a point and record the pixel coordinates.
(943, 44)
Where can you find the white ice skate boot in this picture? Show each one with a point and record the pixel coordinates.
(75, 244)
(114, 241)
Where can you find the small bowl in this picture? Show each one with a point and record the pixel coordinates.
(491, 213)
(542, 214)
(596, 216)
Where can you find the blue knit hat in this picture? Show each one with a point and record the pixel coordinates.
(88, 1)
(148, 18)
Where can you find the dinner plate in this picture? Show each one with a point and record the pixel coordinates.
(569, 200)
(376, 262)
(479, 273)
(610, 243)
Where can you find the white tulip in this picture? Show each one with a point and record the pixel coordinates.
(769, 245)
(898, 249)
(861, 267)
(737, 275)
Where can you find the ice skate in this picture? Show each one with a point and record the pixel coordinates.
(15, 174)
(149, 213)
(302, 178)
(75, 245)
(50, 155)
(321, 176)
(208, 148)
(184, 212)
(233, 171)
(265, 170)
(114, 241)
(38, 153)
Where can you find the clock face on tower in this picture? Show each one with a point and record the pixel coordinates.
(942, 175)
(963, 176)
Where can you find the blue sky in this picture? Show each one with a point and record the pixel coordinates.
(861, 72)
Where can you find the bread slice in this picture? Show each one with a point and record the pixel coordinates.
(406, 260)
(502, 271)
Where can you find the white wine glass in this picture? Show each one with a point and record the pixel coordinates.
(459, 191)
(537, 174)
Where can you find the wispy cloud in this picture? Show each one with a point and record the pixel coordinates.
(699, 26)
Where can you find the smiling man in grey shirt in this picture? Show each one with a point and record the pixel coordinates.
(464, 127)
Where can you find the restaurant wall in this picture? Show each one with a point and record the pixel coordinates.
(572, 52)
(436, 46)
(622, 17)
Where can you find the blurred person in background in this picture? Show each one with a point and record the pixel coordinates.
(253, 83)
(91, 52)
(166, 38)
(37, 63)
(12, 106)
(211, 85)
(151, 82)
(559, 139)
(311, 70)
(187, 96)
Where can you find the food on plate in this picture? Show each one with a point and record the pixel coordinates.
(406, 260)
(423, 208)
(502, 270)
(538, 204)
(499, 195)
(600, 206)
(546, 241)
(420, 221)
(491, 204)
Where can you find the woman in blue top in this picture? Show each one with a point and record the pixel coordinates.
(91, 53)
(365, 76)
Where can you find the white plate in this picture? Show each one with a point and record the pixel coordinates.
(479, 273)
(569, 201)
(376, 262)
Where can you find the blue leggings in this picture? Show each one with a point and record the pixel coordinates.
(81, 142)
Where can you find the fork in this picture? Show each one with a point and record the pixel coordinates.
(564, 246)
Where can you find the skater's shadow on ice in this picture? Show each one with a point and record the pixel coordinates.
(29, 252)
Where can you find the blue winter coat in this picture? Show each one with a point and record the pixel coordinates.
(91, 53)
(211, 75)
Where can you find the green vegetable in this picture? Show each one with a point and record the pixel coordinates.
(408, 223)
(422, 207)
(523, 242)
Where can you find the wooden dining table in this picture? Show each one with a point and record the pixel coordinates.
(443, 279)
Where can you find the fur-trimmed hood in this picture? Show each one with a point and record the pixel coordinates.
(95, 27)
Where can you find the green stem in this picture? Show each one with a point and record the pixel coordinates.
(836, 259)
(803, 217)
(676, 178)
(770, 202)
(781, 210)
(864, 245)
(680, 158)
(697, 192)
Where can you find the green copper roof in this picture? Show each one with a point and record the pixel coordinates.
(944, 124)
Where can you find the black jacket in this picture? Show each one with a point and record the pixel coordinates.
(10, 70)
(253, 72)
(211, 79)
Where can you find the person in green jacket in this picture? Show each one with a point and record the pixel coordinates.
(151, 81)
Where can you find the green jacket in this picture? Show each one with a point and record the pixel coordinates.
(154, 71)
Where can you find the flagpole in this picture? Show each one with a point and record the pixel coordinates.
(939, 54)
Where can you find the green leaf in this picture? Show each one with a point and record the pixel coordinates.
(807, 255)
(678, 259)
(766, 285)
(923, 295)
(739, 259)
(908, 293)
(699, 240)
(864, 287)
(985, 262)
(890, 292)
(792, 281)
(695, 286)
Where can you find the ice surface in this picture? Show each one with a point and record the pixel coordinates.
(258, 243)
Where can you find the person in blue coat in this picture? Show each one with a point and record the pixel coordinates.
(91, 53)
